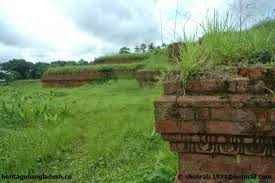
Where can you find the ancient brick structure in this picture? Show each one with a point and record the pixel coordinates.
(71, 80)
(222, 129)
(78, 79)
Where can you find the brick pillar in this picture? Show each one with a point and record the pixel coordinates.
(223, 129)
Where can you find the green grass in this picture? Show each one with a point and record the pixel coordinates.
(69, 70)
(122, 58)
(106, 136)
(157, 60)
(222, 44)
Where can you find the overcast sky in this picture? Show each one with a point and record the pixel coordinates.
(48, 30)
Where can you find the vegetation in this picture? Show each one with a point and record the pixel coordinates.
(69, 70)
(122, 58)
(157, 60)
(79, 141)
(223, 45)
(21, 69)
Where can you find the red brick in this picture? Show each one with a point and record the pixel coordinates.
(242, 115)
(163, 107)
(263, 123)
(199, 164)
(253, 73)
(221, 114)
(203, 114)
(201, 101)
(224, 127)
(238, 85)
(169, 126)
(272, 115)
(186, 114)
(205, 86)
(171, 88)
(193, 86)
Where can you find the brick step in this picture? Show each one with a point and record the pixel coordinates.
(239, 85)
(234, 114)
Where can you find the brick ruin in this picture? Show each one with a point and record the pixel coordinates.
(222, 129)
(144, 77)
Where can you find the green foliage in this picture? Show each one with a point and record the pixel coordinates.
(38, 70)
(20, 66)
(223, 45)
(158, 61)
(122, 58)
(124, 50)
(102, 140)
(70, 70)
(19, 110)
(192, 61)
(7, 77)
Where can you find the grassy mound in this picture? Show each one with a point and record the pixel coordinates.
(122, 58)
(156, 61)
(70, 70)
(222, 44)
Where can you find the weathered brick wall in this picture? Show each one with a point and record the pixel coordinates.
(82, 78)
(221, 126)
(71, 80)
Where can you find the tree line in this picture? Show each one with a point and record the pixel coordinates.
(21, 69)
(142, 48)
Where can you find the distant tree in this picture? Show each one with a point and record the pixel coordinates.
(20, 66)
(163, 45)
(137, 49)
(38, 70)
(124, 50)
(151, 47)
(83, 62)
(143, 47)
(58, 63)
(7, 77)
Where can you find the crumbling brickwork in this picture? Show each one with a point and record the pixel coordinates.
(221, 126)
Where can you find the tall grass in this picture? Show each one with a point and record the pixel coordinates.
(159, 61)
(222, 44)
(122, 58)
(70, 70)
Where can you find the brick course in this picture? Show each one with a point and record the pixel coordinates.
(238, 110)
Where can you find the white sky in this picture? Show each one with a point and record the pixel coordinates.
(48, 30)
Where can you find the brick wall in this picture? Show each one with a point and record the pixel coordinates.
(221, 126)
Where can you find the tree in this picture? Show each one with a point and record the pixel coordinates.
(83, 62)
(151, 47)
(7, 77)
(38, 70)
(143, 47)
(20, 66)
(137, 49)
(124, 50)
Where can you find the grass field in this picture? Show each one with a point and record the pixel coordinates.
(96, 133)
